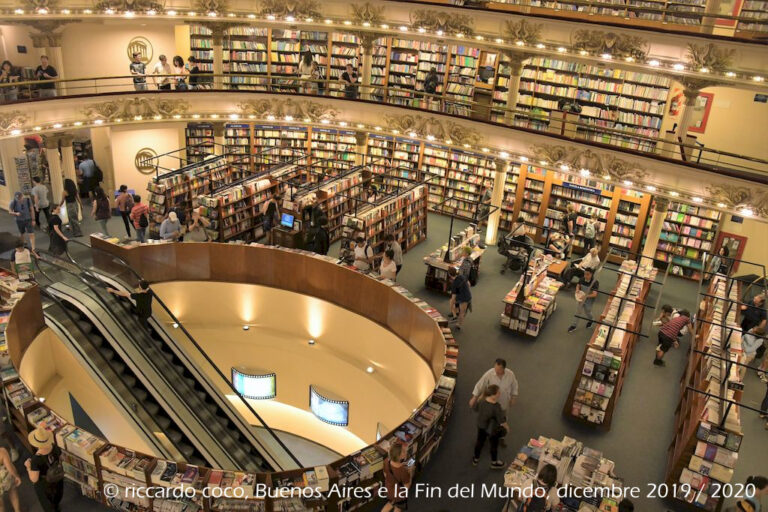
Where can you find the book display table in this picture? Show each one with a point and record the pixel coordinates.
(463, 246)
(526, 313)
(577, 466)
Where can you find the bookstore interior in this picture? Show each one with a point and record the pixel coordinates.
(312, 206)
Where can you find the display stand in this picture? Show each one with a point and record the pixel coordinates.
(599, 381)
(464, 245)
(577, 466)
(526, 312)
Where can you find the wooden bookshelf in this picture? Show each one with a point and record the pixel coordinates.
(200, 141)
(201, 46)
(527, 316)
(460, 81)
(237, 141)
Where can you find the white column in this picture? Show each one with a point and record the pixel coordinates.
(516, 62)
(687, 115)
(497, 196)
(658, 217)
(101, 142)
(54, 168)
(360, 138)
(367, 63)
(57, 61)
(218, 138)
(68, 158)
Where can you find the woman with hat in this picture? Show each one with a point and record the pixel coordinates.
(9, 481)
(44, 469)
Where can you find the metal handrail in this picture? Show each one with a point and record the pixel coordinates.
(189, 336)
(405, 98)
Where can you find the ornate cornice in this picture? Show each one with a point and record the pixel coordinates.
(280, 108)
(616, 45)
(130, 5)
(710, 57)
(36, 5)
(738, 197)
(367, 13)
(693, 86)
(516, 61)
(597, 162)
(45, 35)
(130, 108)
(448, 22)
(217, 6)
(529, 33)
(446, 130)
(295, 8)
(12, 120)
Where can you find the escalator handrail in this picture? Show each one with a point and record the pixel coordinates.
(191, 339)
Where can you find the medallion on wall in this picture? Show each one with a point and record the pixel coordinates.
(142, 46)
(144, 160)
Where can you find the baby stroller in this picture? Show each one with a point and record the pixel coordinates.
(516, 250)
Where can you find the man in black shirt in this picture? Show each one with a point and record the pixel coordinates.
(139, 71)
(586, 293)
(349, 78)
(46, 72)
(143, 298)
(194, 73)
(753, 315)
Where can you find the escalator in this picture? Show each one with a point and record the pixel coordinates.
(205, 428)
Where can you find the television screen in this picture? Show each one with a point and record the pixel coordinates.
(335, 412)
(287, 220)
(256, 387)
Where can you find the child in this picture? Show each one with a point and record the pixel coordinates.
(666, 315)
(22, 260)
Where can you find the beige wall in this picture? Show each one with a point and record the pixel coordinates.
(13, 36)
(128, 140)
(281, 324)
(756, 250)
(9, 149)
(51, 371)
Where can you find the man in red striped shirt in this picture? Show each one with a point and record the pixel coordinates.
(669, 332)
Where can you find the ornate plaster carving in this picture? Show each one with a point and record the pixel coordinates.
(367, 13)
(516, 60)
(438, 128)
(448, 22)
(131, 107)
(281, 107)
(296, 8)
(599, 163)
(41, 4)
(45, 35)
(217, 6)
(130, 5)
(739, 196)
(710, 56)
(521, 30)
(617, 45)
(12, 120)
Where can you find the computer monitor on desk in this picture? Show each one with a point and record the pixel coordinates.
(287, 220)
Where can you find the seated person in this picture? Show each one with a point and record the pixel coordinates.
(590, 261)
(517, 249)
(557, 246)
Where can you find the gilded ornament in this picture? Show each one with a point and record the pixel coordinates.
(739, 196)
(367, 13)
(432, 126)
(448, 22)
(132, 107)
(130, 5)
(521, 30)
(36, 5)
(12, 120)
(281, 107)
(144, 160)
(710, 57)
(142, 46)
(599, 163)
(295, 8)
(616, 45)
(217, 6)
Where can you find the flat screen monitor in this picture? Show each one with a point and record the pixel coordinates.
(335, 412)
(255, 387)
(287, 220)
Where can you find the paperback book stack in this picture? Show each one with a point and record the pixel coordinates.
(527, 316)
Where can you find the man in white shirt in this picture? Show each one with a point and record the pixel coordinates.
(363, 254)
(502, 377)
(162, 68)
(590, 261)
(393, 244)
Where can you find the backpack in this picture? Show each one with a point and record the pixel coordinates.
(98, 174)
(143, 222)
(589, 230)
(474, 274)
(55, 473)
(430, 85)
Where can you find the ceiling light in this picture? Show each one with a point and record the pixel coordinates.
(234, 116)
(19, 11)
(561, 49)
(231, 15)
(15, 132)
(674, 194)
(110, 11)
(421, 30)
(479, 38)
(606, 56)
(542, 162)
(151, 12)
(158, 117)
(697, 199)
(519, 43)
(191, 13)
(38, 128)
(459, 35)
(195, 116)
(251, 16)
(137, 118)
(606, 176)
(347, 22)
(628, 183)
(270, 117)
(88, 11)
(271, 17)
(448, 141)
(730, 74)
(384, 26)
(369, 369)
(583, 52)
(499, 40)
(324, 121)
(523, 158)
(412, 134)
(289, 118)
(360, 125)
(439, 32)
(128, 14)
(246, 327)
(328, 22)
(704, 70)
(465, 145)
(57, 125)
(721, 205)
(678, 67)
(758, 78)
(42, 399)
(171, 13)
(564, 168)
(584, 172)
(175, 325)
(377, 128)
(214, 116)
(629, 59)
(485, 150)
(98, 121)
(366, 24)
(540, 46)
(177, 116)
(212, 14)
(65, 11)
(307, 120)
(292, 19)
(650, 188)
(42, 10)
(403, 28)
(311, 342)
(120, 119)
(78, 123)
(653, 63)
(251, 116)
(747, 212)
(504, 154)
(430, 137)
(342, 123)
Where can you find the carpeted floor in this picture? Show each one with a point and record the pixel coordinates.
(545, 367)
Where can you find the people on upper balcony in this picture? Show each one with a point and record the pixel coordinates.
(139, 71)
(162, 68)
(431, 81)
(349, 79)
(308, 70)
(45, 73)
(179, 69)
(195, 80)
(9, 74)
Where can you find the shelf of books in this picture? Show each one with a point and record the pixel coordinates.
(380, 66)
(345, 49)
(687, 233)
(246, 53)
(199, 140)
(339, 196)
(600, 377)
(463, 247)
(284, 46)
(317, 44)
(501, 90)
(434, 166)
(432, 55)
(708, 433)
(637, 100)
(403, 66)
(757, 13)
(577, 466)
(461, 79)
(237, 141)
(332, 150)
(530, 198)
(527, 314)
(509, 200)
(234, 211)
(201, 46)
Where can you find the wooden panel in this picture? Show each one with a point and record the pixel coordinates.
(193, 261)
(24, 324)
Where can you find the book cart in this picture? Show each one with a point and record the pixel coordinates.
(603, 367)
(708, 433)
(91, 462)
(577, 466)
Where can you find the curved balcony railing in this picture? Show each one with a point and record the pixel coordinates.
(598, 131)
(747, 20)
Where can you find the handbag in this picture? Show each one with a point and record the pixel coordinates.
(64, 214)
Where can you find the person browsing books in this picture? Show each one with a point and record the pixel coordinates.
(461, 296)
(44, 469)
(502, 377)
(544, 491)
(397, 479)
(590, 261)
(586, 293)
(668, 335)
(753, 314)
(391, 243)
(750, 344)
(363, 254)
(491, 425)
(388, 269)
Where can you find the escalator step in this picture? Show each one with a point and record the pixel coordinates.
(96, 339)
(140, 394)
(197, 461)
(119, 367)
(164, 422)
(130, 381)
(174, 435)
(107, 352)
(87, 327)
(186, 450)
(152, 408)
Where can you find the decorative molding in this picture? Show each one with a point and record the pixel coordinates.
(143, 160)
(217, 6)
(448, 22)
(45, 35)
(616, 45)
(130, 5)
(367, 13)
(692, 86)
(12, 120)
(598, 163)
(661, 204)
(529, 33)
(295, 8)
(431, 126)
(131, 107)
(280, 107)
(142, 46)
(710, 57)
(41, 4)
(738, 196)
(516, 61)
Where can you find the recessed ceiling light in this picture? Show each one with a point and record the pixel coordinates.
(42, 10)
(721, 205)
(653, 63)
(158, 117)
(369, 369)
(465, 145)
(540, 46)
(674, 194)
(128, 14)
(583, 52)
(137, 118)
(678, 67)
(564, 168)
(246, 327)
(195, 116)
(584, 172)
(562, 49)
(65, 11)
(328, 22)
(289, 118)
(177, 116)
(629, 59)
(747, 212)
(412, 134)
(606, 56)
(730, 74)
(311, 342)
(519, 43)
(171, 13)
(251, 16)
(343, 123)
(214, 116)
(628, 183)
(606, 176)
(704, 70)
(430, 137)
(421, 30)
(377, 128)
(459, 35)
(175, 325)
(110, 11)
(151, 12)
(57, 125)
(697, 199)
(324, 121)
(347, 22)
(212, 14)
(403, 28)
(439, 32)
(499, 40)
(15, 132)
(504, 154)
(290, 19)
(78, 123)
(523, 158)
(86, 11)
(485, 150)
(271, 17)
(650, 188)
(38, 128)
(542, 162)
(234, 116)
(360, 125)
(270, 117)
(758, 78)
